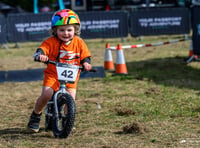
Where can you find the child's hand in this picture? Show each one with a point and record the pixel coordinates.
(43, 58)
(87, 66)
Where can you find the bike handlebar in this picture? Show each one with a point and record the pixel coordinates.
(54, 62)
(51, 62)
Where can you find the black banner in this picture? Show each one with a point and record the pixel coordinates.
(2, 29)
(103, 24)
(33, 27)
(160, 21)
(195, 13)
(28, 26)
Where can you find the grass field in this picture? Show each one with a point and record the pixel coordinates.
(156, 105)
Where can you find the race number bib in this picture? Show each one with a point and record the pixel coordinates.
(67, 72)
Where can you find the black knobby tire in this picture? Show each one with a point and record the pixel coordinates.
(66, 121)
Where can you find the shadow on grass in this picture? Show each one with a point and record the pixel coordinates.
(18, 133)
(166, 71)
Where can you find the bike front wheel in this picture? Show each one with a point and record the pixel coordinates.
(64, 123)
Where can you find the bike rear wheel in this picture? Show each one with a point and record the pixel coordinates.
(63, 125)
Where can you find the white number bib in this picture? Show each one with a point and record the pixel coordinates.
(67, 72)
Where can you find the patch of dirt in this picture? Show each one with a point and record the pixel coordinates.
(125, 111)
(95, 95)
(153, 90)
(134, 128)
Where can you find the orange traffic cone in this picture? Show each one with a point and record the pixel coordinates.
(120, 61)
(191, 53)
(108, 61)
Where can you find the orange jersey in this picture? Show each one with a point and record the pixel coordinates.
(73, 53)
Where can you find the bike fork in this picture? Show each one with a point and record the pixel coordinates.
(62, 89)
(47, 109)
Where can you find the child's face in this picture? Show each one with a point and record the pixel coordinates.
(65, 33)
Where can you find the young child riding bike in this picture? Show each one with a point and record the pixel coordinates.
(64, 46)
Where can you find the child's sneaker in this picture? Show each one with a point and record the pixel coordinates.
(34, 122)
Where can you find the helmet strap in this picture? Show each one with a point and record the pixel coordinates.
(69, 42)
(58, 56)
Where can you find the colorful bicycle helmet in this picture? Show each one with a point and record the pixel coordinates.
(64, 17)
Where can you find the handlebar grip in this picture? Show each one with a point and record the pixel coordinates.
(37, 58)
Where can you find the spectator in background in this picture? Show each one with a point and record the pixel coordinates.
(194, 7)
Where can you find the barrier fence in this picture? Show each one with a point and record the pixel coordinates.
(28, 27)
(100, 24)
(160, 21)
(106, 24)
(2, 29)
(150, 44)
